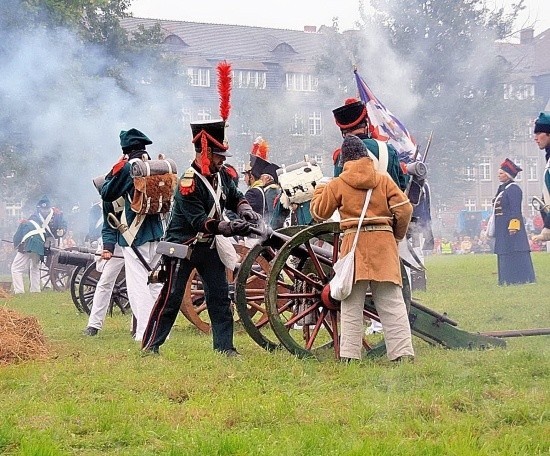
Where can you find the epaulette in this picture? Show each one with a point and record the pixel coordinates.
(119, 165)
(187, 182)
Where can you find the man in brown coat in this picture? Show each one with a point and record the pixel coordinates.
(376, 256)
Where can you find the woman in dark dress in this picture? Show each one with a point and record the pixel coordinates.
(511, 243)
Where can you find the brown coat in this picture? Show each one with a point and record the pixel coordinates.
(376, 256)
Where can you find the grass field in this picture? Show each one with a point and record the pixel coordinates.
(99, 396)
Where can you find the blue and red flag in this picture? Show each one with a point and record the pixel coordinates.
(384, 126)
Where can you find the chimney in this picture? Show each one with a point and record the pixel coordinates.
(526, 36)
(310, 29)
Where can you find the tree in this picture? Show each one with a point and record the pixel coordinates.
(69, 69)
(450, 45)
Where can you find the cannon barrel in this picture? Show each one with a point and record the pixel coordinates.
(75, 258)
(323, 255)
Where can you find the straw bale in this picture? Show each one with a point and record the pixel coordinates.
(21, 337)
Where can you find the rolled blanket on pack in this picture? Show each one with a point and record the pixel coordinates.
(98, 182)
(142, 168)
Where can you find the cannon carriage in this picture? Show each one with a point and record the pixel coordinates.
(282, 299)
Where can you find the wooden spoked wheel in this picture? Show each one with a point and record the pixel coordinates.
(60, 274)
(88, 284)
(74, 285)
(250, 288)
(193, 305)
(307, 323)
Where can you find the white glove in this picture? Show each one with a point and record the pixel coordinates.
(543, 236)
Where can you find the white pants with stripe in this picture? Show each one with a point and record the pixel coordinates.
(142, 296)
(25, 263)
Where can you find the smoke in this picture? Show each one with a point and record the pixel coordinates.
(66, 101)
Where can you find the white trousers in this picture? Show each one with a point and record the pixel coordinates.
(388, 300)
(142, 296)
(102, 296)
(25, 263)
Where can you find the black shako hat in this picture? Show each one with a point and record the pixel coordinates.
(213, 132)
(260, 166)
(350, 115)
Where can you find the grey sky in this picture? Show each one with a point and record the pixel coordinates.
(293, 14)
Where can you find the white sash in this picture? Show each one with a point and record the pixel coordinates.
(37, 230)
(380, 163)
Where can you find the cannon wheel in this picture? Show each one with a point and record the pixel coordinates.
(74, 284)
(250, 286)
(310, 329)
(307, 323)
(60, 274)
(193, 304)
(88, 284)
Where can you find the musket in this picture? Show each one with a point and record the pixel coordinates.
(428, 146)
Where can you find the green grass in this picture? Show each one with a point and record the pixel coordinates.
(99, 396)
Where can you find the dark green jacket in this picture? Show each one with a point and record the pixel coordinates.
(119, 183)
(190, 212)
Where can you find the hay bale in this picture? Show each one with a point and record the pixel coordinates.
(21, 337)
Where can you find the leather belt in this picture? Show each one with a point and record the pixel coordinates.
(369, 228)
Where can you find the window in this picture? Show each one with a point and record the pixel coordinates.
(469, 173)
(297, 127)
(532, 170)
(186, 115)
(470, 204)
(519, 91)
(245, 79)
(485, 169)
(299, 82)
(314, 124)
(199, 77)
(518, 162)
(204, 114)
(14, 209)
(486, 204)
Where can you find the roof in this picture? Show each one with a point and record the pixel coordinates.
(522, 56)
(235, 41)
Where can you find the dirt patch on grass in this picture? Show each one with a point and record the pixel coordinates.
(21, 338)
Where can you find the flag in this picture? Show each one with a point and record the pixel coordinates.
(384, 125)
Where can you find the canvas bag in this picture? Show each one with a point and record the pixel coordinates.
(344, 269)
(224, 246)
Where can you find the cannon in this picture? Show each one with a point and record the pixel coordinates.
(282, 299)
(84, 279)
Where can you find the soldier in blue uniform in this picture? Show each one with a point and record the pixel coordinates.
(146, 230)
(196, 218)
(511, 244)
(32, 239)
